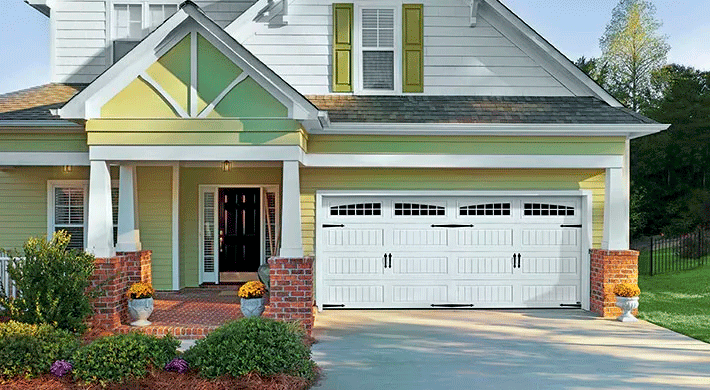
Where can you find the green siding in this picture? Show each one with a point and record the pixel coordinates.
(313, 179)
(214, 72)
(23, 201)
(466, 145)
(249, 100)
(155, 219)
(172, 72)
(43, 142)
(190, 180)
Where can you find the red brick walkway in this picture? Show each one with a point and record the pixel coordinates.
(191, 313)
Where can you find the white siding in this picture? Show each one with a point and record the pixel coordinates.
(458, 59)
(82, 47)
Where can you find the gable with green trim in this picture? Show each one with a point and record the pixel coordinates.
(222, 90)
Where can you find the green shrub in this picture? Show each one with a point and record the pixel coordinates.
(256, 344)
(52, 284)
(115, 358)
(29, 350)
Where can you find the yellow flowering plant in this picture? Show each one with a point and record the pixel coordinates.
(253, 289)
(627, 290)
(140, 290)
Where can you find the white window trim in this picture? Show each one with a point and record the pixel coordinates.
(357, 47)
(145, 15)
(51, 207)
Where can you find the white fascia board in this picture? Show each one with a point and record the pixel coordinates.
(38, 124)
(494, 129)
(44, 159)
(196, 153)
(461, 161)
(544, 46)
(87, 103)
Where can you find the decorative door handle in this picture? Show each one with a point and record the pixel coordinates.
(519, 260)
(385, 260)
(390, 260)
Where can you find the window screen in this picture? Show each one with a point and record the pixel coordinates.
(378, 49)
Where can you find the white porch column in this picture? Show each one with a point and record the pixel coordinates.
(129, 239)
(616, 211)
(99, 240)
(291, 241)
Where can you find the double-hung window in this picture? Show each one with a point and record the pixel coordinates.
(68, 210)
(132, 21)
(378, 49)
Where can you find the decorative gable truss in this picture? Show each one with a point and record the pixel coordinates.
(190, 68)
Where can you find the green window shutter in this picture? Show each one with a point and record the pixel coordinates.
(342, 47)
(413, 48)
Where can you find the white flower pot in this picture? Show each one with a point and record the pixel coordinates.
(140, 310)
(252, 307)
(627, 304)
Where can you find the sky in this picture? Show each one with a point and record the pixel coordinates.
(573, 26)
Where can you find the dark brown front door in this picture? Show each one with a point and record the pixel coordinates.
(239, 230)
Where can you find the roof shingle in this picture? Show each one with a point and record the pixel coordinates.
(34, 103)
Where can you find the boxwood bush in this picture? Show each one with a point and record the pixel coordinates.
(29, 350)
(253, 345)
(115, 358)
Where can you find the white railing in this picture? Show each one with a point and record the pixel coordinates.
(7, 284)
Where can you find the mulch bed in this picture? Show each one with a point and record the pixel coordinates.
(164, 381)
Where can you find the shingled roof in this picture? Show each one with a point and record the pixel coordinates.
(474, 109)
(33, 104)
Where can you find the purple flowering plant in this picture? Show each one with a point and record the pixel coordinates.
(178, 365)
(60, 368)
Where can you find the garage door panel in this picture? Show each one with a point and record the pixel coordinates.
(355, 265)
(550, 265)
(478, 294)
(356, 293)
(550, 295)
(559, 238)
(420, 265)
(419, 294)
(422, 237)
(355, 238)
(495, 266)
(485, 238)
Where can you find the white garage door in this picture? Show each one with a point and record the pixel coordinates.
(423, 252)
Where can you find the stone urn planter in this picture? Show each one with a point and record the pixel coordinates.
(252, 298)
(627, 298)
(252, 307)
(140, 303)
(140, 310)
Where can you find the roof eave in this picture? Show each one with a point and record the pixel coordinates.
(42, 6)
(495, 129)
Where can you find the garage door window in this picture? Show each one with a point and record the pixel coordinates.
(485, 209)
(414, 209)
(545, 210)
(357, 209)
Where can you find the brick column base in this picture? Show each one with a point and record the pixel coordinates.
(609, 268)
(114, 276)
(291, 295)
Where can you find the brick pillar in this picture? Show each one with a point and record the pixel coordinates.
(114, 275)
(291, 295)
(609, 268)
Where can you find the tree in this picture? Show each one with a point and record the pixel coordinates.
(632, 49)
(674, 166)
(594, 68)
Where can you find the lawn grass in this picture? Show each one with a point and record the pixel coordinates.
(679, 301)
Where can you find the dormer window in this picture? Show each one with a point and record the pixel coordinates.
(378, 49)
(132, 21)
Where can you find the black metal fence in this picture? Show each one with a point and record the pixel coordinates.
(663, 254)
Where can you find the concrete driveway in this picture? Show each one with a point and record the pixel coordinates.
(534, 349)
